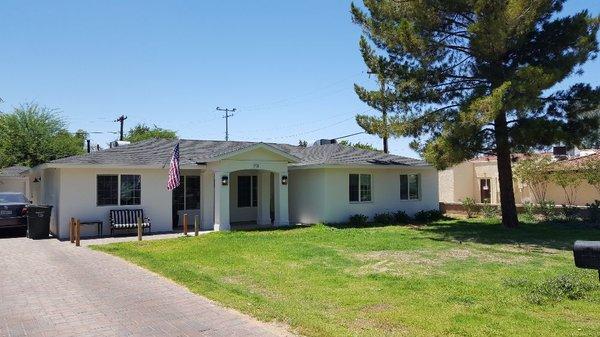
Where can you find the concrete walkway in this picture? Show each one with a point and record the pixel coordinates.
(52, 288)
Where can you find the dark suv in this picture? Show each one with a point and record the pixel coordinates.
(13, 209)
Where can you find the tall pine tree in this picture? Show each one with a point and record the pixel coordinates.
(476, 77)
(382, 99)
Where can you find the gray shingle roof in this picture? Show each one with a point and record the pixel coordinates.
(158, 152)
(13, 171)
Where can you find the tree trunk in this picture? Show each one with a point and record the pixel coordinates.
(385, 145)
(505, 177)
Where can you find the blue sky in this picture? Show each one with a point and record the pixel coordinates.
(288, 66)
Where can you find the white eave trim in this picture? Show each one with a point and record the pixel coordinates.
(113, 166)
(359, 166)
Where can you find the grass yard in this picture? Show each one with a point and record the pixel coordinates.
(452, 277)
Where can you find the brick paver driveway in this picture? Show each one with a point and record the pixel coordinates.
(51, 288)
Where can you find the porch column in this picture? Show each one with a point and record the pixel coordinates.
(207, 188)
(221, 202)
(282, 217)
(264, 198)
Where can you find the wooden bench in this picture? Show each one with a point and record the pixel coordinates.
(127, 219)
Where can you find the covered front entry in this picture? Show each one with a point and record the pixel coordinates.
(251, 198)
(249, 187)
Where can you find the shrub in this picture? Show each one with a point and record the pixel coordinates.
(569, 212)
(427, 216)
(489, 211)
(470, 207)
(358, 220)
(385, 218)
(529, 211)
(400, 217)
(547, 209)
(594, 212)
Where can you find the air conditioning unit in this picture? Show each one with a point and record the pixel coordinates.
(118, 143)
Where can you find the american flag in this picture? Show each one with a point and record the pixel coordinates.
(174, 177)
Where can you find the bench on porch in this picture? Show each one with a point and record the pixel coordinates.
(127, 219)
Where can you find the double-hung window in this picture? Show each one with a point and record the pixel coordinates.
(359, 187)
(114, 189)
(409, 186)
(131, 189)
(247, 191)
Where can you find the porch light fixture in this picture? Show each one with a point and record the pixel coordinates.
(284, 180)
(37, 180)
(224, 180)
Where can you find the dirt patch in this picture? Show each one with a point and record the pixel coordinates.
(251, 287)
(528, 248)
(425, 262)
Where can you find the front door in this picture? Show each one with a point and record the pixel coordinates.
(485, 189)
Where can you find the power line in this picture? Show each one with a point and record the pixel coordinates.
(350, 135)
(278, 103)
(226, 116)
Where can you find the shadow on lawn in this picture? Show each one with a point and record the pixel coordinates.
(557, 235)
(379, 225)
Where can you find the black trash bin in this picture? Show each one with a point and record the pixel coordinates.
(38, 221)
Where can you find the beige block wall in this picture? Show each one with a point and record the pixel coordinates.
(463, 181)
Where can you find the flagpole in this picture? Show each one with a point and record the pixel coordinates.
(171, 156)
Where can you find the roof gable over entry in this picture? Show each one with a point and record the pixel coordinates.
(259, 152)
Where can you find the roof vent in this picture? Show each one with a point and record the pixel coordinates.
(325, 141)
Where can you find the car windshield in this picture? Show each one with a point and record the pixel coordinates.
(10, 198)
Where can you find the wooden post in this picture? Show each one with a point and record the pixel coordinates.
(140, 228)
(77, 233)
(185, 224)
(72, 230)
(196, 220)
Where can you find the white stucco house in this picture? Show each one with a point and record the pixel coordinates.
(230, 183)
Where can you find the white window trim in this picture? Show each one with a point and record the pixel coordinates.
(359, 190)
(419, 186)
(118, 188)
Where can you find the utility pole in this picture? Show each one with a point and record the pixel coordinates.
(381, 80)
(121, 120)
(226, 116)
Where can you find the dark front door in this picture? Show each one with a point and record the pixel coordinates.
(486, 191)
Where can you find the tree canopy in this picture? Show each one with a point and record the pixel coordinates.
(475, 77)
(359, 145)
(32, 135)
(142, 132)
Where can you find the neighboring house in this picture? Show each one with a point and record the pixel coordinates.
(478, 179)
(13, 179)
(226, 182)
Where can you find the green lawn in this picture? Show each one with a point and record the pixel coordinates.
(452, 277)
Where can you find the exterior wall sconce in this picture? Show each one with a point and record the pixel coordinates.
(284, 180)
(37, 180)
(224, 180)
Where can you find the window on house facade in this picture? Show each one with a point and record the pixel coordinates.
(114, 190)
(409, 187)
(247, 191)
(359, 187)
(131, 189)
(107, 190)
